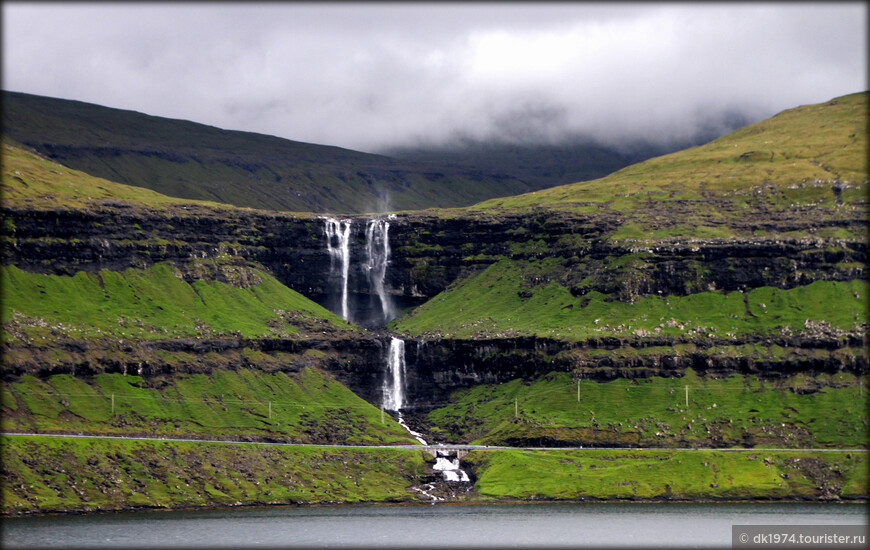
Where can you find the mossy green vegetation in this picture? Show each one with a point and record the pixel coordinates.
(790, 154)
(669, 474)
(309, 406)
(64, 473)
(801, 411)
(32, 181)
(153, 303)
(522, 298)
(810, 158)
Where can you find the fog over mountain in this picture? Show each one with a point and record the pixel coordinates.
(375, 76)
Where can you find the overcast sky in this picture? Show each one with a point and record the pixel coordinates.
(368, 76)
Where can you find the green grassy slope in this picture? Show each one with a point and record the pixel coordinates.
(308, 406)
(791, 158)
(48, 473)
(96, 321)
(500, 301)
(799, 177)
(153, 303)
(692, 411)
(809, 183)
(32, 181)
(194, 161)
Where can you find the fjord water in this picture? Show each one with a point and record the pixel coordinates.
(513, 525)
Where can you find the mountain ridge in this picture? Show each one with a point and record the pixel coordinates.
(189, 160)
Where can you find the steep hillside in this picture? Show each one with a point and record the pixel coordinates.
(33, 182)
(789, 185)
(541, 165)
(810, 157)
(194, 161)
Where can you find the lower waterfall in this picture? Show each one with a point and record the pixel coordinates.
(394, 382)
(394, 400)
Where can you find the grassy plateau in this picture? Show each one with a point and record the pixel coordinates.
(802, 411)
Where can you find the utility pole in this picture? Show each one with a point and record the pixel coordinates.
(578, 390)
(687, 397)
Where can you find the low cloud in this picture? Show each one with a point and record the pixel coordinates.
(375, 76)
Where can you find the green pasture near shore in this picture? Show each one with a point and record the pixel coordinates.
(59, 474)
(43, 474)
(801, 411)
(670, 474)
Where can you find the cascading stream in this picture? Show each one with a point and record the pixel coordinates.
(394, 400)
(339, 231)
(450, 468)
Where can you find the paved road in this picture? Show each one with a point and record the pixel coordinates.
(426, 447)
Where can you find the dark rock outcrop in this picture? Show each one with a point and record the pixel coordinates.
(428, 253)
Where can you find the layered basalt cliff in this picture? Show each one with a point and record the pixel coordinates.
(428, 253)
(437, 368)
(358, 362)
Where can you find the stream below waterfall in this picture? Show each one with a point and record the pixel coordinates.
(394, 400)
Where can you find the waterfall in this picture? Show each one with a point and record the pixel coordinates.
(450, 468)
(394, 400)
(378, 255)
(340, 254)
(394, 382)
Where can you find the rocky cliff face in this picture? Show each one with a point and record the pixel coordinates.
(437, 368)
(430, 252)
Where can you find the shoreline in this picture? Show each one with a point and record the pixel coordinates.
(410, 503)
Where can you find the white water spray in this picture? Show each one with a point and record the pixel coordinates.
(450, 468)
(340, 254)
(378, 255)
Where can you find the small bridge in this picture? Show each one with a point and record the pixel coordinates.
(458, 451)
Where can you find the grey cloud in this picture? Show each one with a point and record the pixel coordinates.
(372, 76)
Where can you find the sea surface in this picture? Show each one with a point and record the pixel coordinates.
(687, 525)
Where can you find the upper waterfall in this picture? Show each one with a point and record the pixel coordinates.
(339, 231)
(377, 258)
